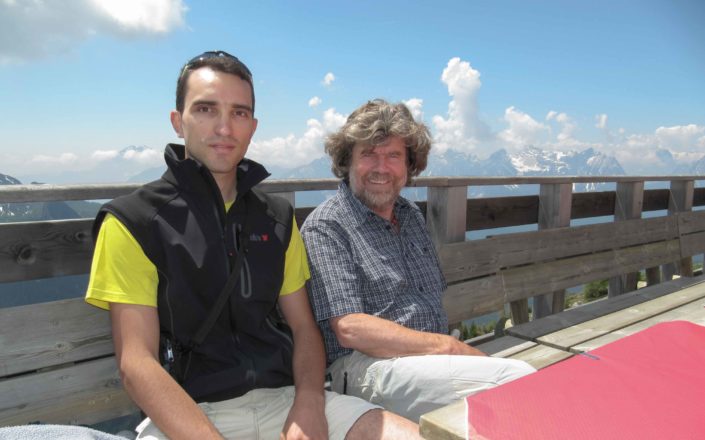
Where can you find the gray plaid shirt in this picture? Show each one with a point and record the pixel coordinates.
(359, 264)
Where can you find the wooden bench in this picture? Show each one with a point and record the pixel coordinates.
(56, 358)
(57, 365)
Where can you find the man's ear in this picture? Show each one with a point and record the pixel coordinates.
(175, 117)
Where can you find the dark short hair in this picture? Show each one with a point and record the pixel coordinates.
(217, 60)
(374, 123)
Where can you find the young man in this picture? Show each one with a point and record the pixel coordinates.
(199, 362)
(376, 283)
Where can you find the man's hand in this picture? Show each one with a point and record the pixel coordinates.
(307, 418)
(461, 348)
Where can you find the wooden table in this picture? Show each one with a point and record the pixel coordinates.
(687, 304)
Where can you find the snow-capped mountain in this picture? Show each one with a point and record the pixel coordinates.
(8, 180)
(698, 167)
(14, 212)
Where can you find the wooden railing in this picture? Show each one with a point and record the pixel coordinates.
(56, 359)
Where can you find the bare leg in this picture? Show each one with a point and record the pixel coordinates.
(380, 424)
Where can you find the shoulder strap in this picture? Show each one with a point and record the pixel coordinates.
(217, 307)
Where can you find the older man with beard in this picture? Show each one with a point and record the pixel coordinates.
(376, 283)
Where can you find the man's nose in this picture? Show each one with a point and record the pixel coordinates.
(223, 126)
(382, 163)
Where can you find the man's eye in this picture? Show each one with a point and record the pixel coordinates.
(242, 113)
(203, 109)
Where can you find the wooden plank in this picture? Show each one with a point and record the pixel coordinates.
(681, 200)
(693, 312)
(42, 335)
(86, 393)
(656, 199)
(473, 298)
(475, 258)
(34, 250)
(592, 204)
(569, 337)
(499, 212)
(628, 206)
(555, 204)
(699, 197)
(506, 346)
(542, 356)
(53, 193)
(447, 423)
(521, 282)
(535, 329)
(692, 244)
(691, 222)
(445, 214)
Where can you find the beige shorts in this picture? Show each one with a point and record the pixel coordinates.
(260, 414)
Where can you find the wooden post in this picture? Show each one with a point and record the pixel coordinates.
(555, 201)
(628, 205)
(446, 215)
(680, 200)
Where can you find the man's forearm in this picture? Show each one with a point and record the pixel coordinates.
(309, 360)
(378, 337)
(166, 403)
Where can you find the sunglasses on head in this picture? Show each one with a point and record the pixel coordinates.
(215, 54)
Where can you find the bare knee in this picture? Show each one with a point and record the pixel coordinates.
(380, 424)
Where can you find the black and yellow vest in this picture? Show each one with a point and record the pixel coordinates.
(181, 224)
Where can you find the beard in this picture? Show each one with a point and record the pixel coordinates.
(376, 200)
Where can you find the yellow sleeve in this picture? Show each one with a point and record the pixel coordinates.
(296, 270)
(120, 272)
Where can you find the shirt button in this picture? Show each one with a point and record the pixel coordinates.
(420, 288)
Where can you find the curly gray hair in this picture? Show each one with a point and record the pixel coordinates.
(374, 123)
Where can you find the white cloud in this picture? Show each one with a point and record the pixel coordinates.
(415, 106)
(462, 130)
(143, 16)
(36, 29)
(47, 160)
(523, 130)
(314, 102)
(102, 155)
(680, 137)
(145, 156)
(292, 151)
(601, 121)
(568, 126)
(328, 79)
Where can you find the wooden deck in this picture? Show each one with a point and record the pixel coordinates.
(541, 345)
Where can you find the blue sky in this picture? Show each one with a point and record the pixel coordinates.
(83, 79)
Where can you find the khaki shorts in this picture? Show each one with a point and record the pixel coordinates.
(414, 385)
(260, 414)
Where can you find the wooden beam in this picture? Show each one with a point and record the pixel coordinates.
(45, 249)
(475, 258)
(681, 200)
(628, 205)
(555, 202)
(445, 214)
(48, 334)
